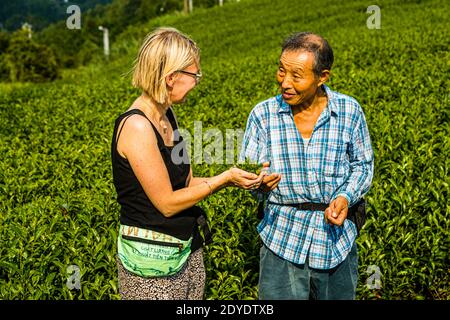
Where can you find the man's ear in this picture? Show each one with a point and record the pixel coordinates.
(324, 77)
(170, 80)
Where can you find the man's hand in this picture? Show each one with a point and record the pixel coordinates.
(270, 181)
(337, 212)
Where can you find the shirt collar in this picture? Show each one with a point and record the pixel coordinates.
(286, 108)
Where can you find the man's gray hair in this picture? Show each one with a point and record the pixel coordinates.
(311, 42)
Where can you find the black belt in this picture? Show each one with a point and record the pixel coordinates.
(356, 213)
(305, 206)
(299, 206)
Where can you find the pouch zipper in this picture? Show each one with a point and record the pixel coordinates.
(161, 243)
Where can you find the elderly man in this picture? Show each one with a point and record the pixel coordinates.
(318, 140)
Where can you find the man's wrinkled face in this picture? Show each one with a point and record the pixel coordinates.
(298, 83)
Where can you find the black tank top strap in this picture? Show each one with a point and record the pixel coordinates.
(123, 124)
(158, 136)
(140, 112)
(171, 118)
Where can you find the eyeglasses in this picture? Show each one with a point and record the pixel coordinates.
(197, 76)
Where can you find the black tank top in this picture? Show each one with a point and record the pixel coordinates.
(136, 208)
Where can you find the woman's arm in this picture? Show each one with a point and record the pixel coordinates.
(138, 143)
(193, 181)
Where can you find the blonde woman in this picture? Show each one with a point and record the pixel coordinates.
(159, 245)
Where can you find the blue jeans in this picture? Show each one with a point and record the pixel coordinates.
(280, 279)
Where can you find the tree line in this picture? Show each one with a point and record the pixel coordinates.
(22, 49)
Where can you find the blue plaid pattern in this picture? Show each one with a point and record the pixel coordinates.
(338, 161)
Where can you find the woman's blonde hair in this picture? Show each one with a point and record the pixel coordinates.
(163, 52)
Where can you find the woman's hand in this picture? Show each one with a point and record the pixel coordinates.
(243, 179)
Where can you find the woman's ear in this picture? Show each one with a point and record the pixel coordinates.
(170, 80)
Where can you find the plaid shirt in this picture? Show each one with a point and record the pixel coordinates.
(338, 161)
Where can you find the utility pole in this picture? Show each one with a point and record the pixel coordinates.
(28, 28)
(188, 6)
(105, 40)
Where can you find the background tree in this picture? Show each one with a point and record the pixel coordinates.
(23, 60)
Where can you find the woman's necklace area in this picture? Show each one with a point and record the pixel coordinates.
(164, 127)
(162, 123)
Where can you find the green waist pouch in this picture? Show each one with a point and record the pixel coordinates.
(148, 253)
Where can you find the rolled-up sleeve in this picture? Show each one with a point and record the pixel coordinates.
(254, 143)
(361, 159)
(254, 146)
